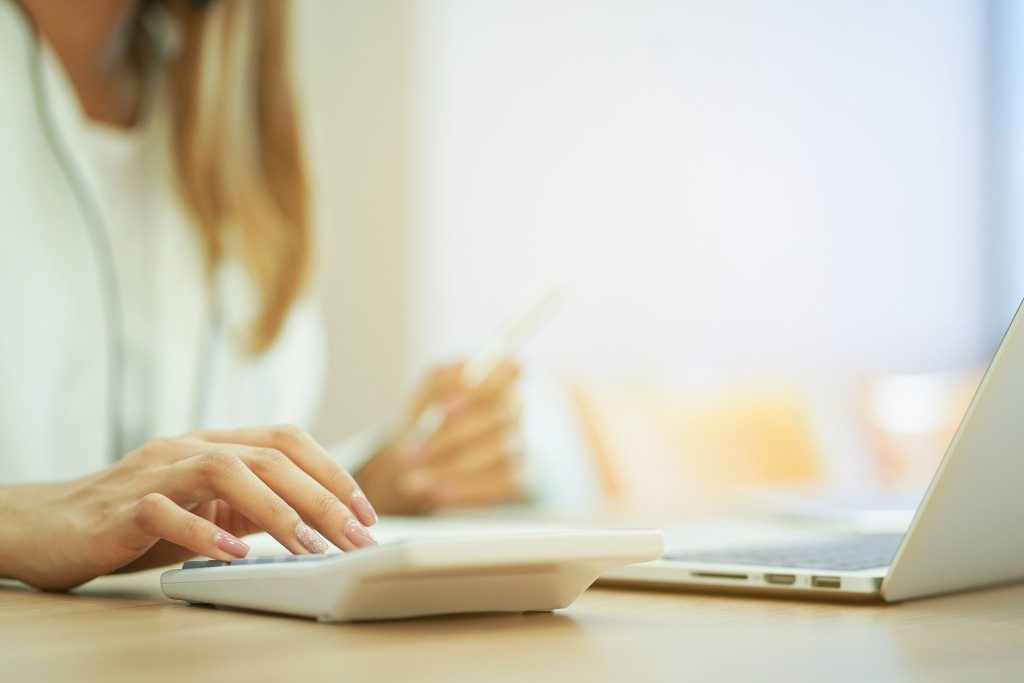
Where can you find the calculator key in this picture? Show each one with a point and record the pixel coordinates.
(263, 559)
(197, 564)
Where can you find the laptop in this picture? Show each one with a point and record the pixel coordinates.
(967, 532)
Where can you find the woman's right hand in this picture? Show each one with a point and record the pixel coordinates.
(179, 497)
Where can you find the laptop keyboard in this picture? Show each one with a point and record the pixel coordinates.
(863, 551)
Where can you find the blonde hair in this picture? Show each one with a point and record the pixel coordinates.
(237, 152)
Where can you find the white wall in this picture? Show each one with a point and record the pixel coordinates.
(1006, 147)
(354, 68)
(750, 184)
(742, 185)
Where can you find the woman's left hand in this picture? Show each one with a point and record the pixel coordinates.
(474, 458)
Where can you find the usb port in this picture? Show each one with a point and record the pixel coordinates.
(780, 579)
(719, 575)
(826, 581)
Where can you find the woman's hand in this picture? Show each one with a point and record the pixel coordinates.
(472, 459)
(175, 498)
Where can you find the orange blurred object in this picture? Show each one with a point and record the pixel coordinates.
(695, 451)
(910, 421)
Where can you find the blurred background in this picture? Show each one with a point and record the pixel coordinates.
(788, 234)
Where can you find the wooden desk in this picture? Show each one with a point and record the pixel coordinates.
(122, 629)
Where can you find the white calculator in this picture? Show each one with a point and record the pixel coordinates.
(496, 572)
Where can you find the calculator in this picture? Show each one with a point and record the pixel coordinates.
(496, 572)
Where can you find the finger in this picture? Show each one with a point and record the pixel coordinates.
(308, 496)
(448, 388)
(222, 474)
(497, 448)
(502, 485)
(500, 451)
(161, 518)
(440, 383)
(226, 517)
(444, 381)
(497, 383)
(483, 455)
(234, 521)
(304, 451)
(458, 432)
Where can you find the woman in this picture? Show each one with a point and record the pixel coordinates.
(153, 255)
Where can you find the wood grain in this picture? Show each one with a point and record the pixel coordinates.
(123, 629)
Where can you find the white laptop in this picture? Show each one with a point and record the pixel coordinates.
(966, 533)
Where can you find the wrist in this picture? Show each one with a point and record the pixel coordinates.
(12, 532)
(24, 549)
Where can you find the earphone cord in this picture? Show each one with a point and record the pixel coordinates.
(102, 248)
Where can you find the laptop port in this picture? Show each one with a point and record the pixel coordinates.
(826, 581)
(780, 579)
(719, 575)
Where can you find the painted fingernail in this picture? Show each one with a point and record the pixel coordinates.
(310, 540)
(231, 545)
(364, 511)
(358, 535)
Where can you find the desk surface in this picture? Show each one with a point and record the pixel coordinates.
(122, 628)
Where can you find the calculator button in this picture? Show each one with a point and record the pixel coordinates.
(263, 559)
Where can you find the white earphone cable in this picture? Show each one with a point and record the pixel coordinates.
(99, 238)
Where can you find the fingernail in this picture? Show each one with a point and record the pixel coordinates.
(364, 511)
(358, 535)
(231, 545)
(310, 540)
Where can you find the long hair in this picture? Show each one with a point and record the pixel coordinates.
(236, 148)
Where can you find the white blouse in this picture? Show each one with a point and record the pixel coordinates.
(127, 198)
(180, 370)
